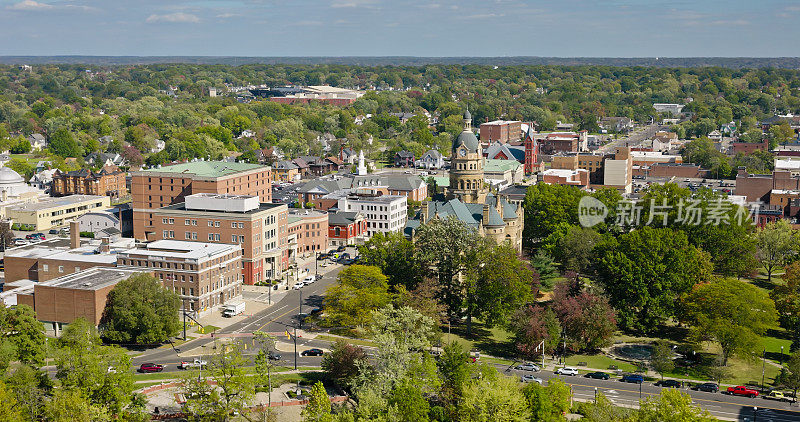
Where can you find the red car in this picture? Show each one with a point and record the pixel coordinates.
(151, 367)
(742, 391)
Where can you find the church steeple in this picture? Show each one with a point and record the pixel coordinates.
(466, 166)
(467, 120)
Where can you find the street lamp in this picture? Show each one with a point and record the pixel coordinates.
(781, 355)
(595, 395)
(755, 413)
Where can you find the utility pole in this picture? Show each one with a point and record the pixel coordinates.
(300, 314)
(295, 349)
(763, 365)
(183, 305)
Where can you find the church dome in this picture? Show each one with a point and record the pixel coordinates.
(8, 176)
(468, 139)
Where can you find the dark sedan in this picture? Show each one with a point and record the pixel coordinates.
(312, 352)
(597, 375)
(708, 387)
(670, 384)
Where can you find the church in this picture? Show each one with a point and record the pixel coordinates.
(468, 197)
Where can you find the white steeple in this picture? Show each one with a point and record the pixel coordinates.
(362, 168)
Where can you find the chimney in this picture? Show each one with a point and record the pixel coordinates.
(105, 245)
(423, 212)
(74, 234)
(485, 213)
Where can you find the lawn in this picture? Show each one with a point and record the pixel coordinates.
(494, 341)
(207, 329)
(355, 341)
(600, 362)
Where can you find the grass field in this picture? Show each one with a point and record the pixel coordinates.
(355, 341)
(601, 362)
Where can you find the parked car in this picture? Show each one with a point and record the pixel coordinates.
(312, 352)
(779, 396)
(567, 371)
(31, 237)
(299, 285)
(273, 356)
(323, 256)
(197, 363)
(341, 248)
(40, 236)
(530, 378)
(309, 279)
(150, 367)
(318, 276)
(323, 264)
(670, 383)
(708, 387)
(527, 367)
(53, 231)
(633, 378)
(741, 390)
(597, 375)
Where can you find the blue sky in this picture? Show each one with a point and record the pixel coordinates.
(596, 28)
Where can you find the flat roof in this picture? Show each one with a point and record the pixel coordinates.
(263, 206)
(57, 202)
(59, 249)
(90, 279)
(181, 249)
(206, 168)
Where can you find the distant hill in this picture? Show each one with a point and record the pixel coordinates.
(730, 62)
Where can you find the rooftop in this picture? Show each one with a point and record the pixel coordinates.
(181, 249)
(58, 202)
(206, 168)
(91, 279)
(501, 165)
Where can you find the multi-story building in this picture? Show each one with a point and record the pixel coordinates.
(109, 181)
(410, 186)
(502, 131)
(577, 177)
(618, 171)
(308, 231)
(556, 142)
(204, 275)
(55, 212)
(346, 228)
(383, 213)
(260, 228)
(159, 187)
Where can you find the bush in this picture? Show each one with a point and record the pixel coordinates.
(90, 235)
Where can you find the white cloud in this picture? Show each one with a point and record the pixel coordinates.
(228, 15)
(351, 3)
(30, 5)
(179, 17)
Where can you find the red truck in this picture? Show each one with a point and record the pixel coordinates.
(742, 391)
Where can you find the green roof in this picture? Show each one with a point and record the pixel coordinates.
(442, 181)
(207, 168)
(501, 165)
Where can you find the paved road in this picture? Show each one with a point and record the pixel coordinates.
(640, 134)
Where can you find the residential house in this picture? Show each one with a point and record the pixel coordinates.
(346, 228)
(285, 171)
(37, 141)
(103, 159)
(616, 124)
(302, 166)
(158, 146)
(715, 135)
(431, 160)
(43, 180)
(505, 151)
(404, 159)
(109, 181)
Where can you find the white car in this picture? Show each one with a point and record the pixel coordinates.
(299, 285)
(527, 367)
(308, 280)
(567, 371)
(197, 363)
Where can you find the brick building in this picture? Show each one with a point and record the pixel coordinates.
(308, 231)
(555, 142)
(412, 187)
(159, 187)
(672, 170)
(503, 131)
(749, 147)
(260, 228)
(346, 228)
(109, 181)
(578, 177)
(204, 275)
(531, 153)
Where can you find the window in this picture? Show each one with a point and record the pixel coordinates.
(210, 223)
(211, 237)
(241, 225)
(234, 238)
(187, 222)
(164, 220)
(165, 234)
(61, 268)
(45, 268)
(216, 237)
(233, 225)
(194, 235)
(216, 224)
(171, 234)
(188, 235)
(194, 222)
(171, 221)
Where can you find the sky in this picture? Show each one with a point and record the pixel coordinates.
(433, 28)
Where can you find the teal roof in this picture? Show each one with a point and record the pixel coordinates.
(494, 219)
(207, 168)
(501, 165)
(442, 181)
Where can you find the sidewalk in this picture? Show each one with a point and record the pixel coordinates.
(256, 299)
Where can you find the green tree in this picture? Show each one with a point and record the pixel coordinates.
(545, 267)
(775, 243)
(455, 372)
(548, 403)
(791, 376)
(661, 359)
(9, 407)
(787, 301)
(62, 143)
(575, 250)
(407, 404)
(359, 290)
(671, 405)
(502, 284)
(140, 310)
(646, 270)
(319, 405)
(25, 334)
(30, 387)
(493, 397)
(69, 405)
(394, 255)
(733, 313)
(234, 387)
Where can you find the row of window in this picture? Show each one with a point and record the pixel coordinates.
(46, 268)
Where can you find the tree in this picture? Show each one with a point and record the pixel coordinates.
(775, 244)
(791, 376)
(140, 310)
(451, 247)
(132, 156)
(575, 250)
(671, 405)
(68, 405)
(661, 359)
(732, 313)
(394, 255)
(342, 363)
(787, 301)
(646, 270)
(588, 320)
(9, 407)
(24, 334)
(318, 408)
(544, 265)
(533, 324)
(22, 146)
(62, 143)
(424, 298)
(547, 207)
(454, 371)
(407, 404)
(493, 397)
(234, 387)
(98, 372)
(30, 387)
(359, 290)
(548, 403)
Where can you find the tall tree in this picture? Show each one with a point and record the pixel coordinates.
(493, 397)
(63, 143)
(548, 403)
(140, 310)
(733, 313)
(661, 360)
(533, 325)
(588, 320)
(318, 408)
(787, 302)
(22, 336)
(342, 363)
(646, 270)
(234, 387)
(359, 290)
(671, 405)
(775, 243)
(394, 255)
